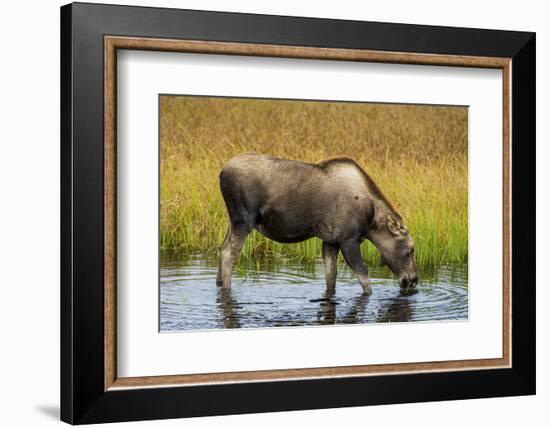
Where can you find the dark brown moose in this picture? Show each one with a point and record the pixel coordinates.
(334, 200)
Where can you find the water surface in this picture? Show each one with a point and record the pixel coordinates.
(274, 293)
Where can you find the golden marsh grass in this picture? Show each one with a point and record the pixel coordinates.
(416, 154)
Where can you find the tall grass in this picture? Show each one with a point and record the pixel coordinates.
(416, 154)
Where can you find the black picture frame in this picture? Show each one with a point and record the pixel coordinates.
(83, 398)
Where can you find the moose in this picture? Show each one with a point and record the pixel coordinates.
(334, 200)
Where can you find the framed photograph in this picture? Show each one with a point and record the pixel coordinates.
(266, 213)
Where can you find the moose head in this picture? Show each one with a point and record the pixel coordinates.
(396, 247)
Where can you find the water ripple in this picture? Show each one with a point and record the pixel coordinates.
(290, 296)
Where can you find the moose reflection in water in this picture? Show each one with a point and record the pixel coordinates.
(396, 311)
(287, 294)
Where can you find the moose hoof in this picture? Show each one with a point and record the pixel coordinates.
(367, 290)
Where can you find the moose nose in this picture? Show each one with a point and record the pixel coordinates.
(409, 281)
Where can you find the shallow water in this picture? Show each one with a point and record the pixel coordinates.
(291, 294)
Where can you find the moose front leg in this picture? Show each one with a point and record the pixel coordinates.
(352, 255)
(330, 259)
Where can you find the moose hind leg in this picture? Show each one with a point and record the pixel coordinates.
(330, 259)
(352, 254)
(219, 275)
(231, 248)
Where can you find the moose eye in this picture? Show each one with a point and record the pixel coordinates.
(410, 252)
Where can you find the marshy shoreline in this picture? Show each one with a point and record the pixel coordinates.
(417, 155)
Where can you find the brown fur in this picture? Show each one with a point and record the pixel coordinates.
(374, 190)
(290, 201)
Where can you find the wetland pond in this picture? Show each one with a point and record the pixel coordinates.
(275, 293)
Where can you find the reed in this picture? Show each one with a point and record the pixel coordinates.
(416, 154)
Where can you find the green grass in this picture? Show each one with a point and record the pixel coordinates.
(416, 154)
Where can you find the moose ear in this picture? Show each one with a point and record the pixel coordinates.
(393, 225)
